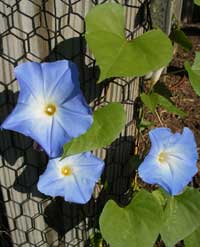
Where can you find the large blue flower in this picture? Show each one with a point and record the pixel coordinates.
(73, 178)
(172, 159)
(51, 108)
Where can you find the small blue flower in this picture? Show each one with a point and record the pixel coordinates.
(73, 178)
(51, 108)
(172, 159)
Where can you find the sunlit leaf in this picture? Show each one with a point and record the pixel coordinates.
(118, 56)
(193, 239)
(181, 216)
(108, 123)
(138, 224)
(154, 99)
(167, 104)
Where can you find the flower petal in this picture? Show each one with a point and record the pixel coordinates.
(185, 146)
(30, 78)
(89, 167)
(50, 108)
(22, 119)
(60, 80)
(56, 189)
(45, 130)
(80, 191)
(182, 173)
(75, 116)
(51, 174)
(159, 137)
(50, 177)
(76, 187)
(171, 162)
(57, 137)
(154, 173)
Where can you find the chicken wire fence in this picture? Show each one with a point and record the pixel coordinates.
(50, 30)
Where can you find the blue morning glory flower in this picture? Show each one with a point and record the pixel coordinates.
(172, 159)
(73, 178)
(51, 108)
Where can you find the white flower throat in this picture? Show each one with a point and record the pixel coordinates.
(162, 157)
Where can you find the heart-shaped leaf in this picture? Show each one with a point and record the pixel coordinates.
(108, 123)
(161, 196)
(193, 239)
(118, 56)
(138, 224)
(181, 216)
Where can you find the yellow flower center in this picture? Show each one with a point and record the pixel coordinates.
(66, 170)
(162, 157)
(50, 109)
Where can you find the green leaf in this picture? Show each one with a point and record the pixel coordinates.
(149, 101)
(197, 2)
(154, 99)
(196, 64)
(161, 196)
(180, 38)
(118, 56)
(193, 77)
(193, 239)
(108, 123)
(181, 216)
(138, 224)
(194, 73)
(167, 104)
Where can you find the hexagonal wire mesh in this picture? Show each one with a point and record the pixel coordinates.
(42, 30)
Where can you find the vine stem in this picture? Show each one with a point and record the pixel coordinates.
(135, 183)
(159, 119)
(174, 72)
